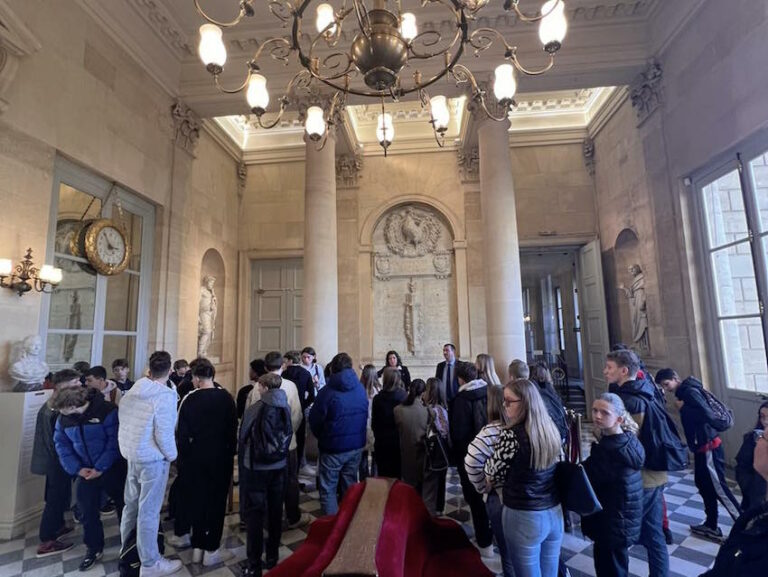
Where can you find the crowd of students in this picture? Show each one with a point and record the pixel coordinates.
(117, 440)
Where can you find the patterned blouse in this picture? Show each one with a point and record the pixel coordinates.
(497, 466)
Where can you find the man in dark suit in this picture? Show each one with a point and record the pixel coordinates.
(446, 372)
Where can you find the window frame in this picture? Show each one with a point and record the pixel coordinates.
(86, 181)
(736, 159)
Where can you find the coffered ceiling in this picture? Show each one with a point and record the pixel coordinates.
(608, 43)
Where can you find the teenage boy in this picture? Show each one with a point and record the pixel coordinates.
(58, 483)
(85, 438)
(274, 364)
(621, 367)
(263, 482)
(96, 378)
(120, 372)
(300, 376)
(708, 457)
(180, 368)
(147, 441)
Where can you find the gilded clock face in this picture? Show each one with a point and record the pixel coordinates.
(110, 246)
(107, 247)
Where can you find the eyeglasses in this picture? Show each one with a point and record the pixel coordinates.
(508, 402)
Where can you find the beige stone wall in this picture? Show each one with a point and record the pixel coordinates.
(554, 194)
(83, 97)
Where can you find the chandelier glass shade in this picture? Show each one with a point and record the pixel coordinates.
(381, 60)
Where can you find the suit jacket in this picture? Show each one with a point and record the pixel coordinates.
(454, 388)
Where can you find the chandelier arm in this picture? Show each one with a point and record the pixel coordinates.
(481, 99)
(235, 22)
(232, 90)
(441, 139)
(287, 44)
(424, 56)
(277, 120)
(513, 58)
(483, 38)
(525, 17)
(362, 17)
(281, 9)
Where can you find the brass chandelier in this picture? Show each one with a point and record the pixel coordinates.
(386, 40)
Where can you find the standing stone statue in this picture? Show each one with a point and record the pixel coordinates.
(29, 370)
(637, 306)
(206, 321)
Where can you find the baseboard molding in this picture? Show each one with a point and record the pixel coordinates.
(21, 523)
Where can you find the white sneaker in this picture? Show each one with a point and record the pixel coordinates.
(487, 552)
(162, 567)
(197, 555)
(180, 541)
(216, 557)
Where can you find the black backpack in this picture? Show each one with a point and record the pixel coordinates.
(664, 451)
(723, 415)
(129, 563)
(270, 435)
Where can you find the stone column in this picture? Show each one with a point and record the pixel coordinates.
(321, 285)
(501, 256)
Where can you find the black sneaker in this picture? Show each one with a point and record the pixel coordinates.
(248, 571)
(707, 532)
(90, 560)
(668, 536)
(270, 563)
(108, 509)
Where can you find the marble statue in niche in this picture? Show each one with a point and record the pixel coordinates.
(635, 293)
(28, 370)
(206, 322)
(412, 321)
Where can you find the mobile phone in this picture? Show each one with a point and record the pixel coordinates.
(759, 434)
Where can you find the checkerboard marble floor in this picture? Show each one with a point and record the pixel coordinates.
(689, 555)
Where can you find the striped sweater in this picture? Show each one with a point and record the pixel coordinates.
(479, 451)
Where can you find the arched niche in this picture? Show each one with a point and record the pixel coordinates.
(626, 254)
(212, 267)
(413, 277)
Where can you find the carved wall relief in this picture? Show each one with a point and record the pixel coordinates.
(413, 284)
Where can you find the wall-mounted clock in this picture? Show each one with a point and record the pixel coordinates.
(106, 246)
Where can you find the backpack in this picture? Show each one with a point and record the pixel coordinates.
(436, 450)
(270, 435)
(664, 451)
(723, 415)
(129, 563)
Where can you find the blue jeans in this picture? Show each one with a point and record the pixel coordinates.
(144, 494)
(494, 507)
(533, 540)
(336, 470)
(652, 534)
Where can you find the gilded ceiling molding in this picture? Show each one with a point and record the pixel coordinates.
(16, 41)
(349, 169)
(186, 126)
(646, 92)
(164, 26)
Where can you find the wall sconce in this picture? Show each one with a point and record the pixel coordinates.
(26, 276)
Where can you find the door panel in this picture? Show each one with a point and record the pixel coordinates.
(276, 301)
(594, 320)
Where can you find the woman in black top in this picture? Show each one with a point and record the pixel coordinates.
(393, 360)
(386, 444)
(523, 462)
(207, 438)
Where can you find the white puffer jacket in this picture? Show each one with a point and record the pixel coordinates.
(148, 422)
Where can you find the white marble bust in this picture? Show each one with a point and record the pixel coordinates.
(29, 370)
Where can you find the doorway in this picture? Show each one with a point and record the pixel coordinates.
(565, 316)
(277, 292)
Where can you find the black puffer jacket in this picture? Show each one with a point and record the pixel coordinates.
(744, 553)
(613, 468)
(695, 414)
(753, 486)
(468, 415)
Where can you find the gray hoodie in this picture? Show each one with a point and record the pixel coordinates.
(148, 422)
(274, 398)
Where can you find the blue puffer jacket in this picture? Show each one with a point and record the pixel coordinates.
(613, 468)
(88, 440)
(339, 416)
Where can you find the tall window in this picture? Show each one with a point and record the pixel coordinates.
(560, 324)
(91, 317)
(734, 201)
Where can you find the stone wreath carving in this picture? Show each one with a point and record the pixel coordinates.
(411, 232)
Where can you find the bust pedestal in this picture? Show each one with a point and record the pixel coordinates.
(22, 497)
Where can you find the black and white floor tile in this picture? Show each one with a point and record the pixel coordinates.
(689, 555)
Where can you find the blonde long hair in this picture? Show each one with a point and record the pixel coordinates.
(486, 369)
(628, 424)
(543, 436)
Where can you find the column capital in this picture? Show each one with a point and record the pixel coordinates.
(646, 91)
(186, 126)
(349, 168)
(469, 163)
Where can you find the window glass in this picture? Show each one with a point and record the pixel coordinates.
(74, 300)
(75, 207)
(117, 347)
(64, 350)
(724, 205)
(745, 360)
(758, 169)
(735, 281)
(122, 302)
